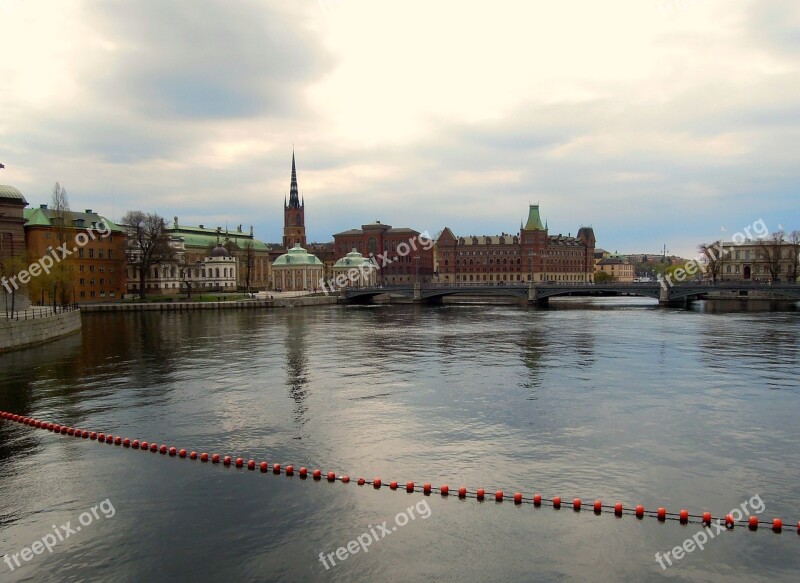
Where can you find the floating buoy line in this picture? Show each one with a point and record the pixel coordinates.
(480, 494)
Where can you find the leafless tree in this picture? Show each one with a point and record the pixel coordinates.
(248, 257)
(794, 255)
(148, 244)
(769, 251)
(62, 275)
(713, 258)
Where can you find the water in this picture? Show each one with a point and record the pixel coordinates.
(609, 398)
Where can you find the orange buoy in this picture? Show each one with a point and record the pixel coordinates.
(426, 488)
(556, 502)
(361, 481)
(684, 516)
(618, 509)
(264, 467)
(173, 451)
(303, 472)
(317, 474)
(251, 464)
(345, 479)
(182, 453)
(444, 490)
(662, 513)
(639, 511)
(706, 518)
(729, 521)
(154, 447)
(239, 462)
(498, 496)
(289, 470)
(480, 493)
(126, 442)
(409, 486)
(576, 504)
(537, 499)
(100, 436)
(462, 492)
(517, 497)
(163, 449)
(777, 525)
(376, 483)
(193, 455)
(598, 506)
(331, 476)
(276, 468)
(752, 522)
(215, 458)
(117, 440)
(204, 457)
(135, 444)
(393, 485)
(92, 435)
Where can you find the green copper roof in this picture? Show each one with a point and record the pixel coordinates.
(39, 217)
(534, 221)
(297, 256)
(11, 192)
(352, 259)
(197, 237)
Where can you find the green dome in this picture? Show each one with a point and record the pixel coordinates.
(352, 259)
(11, 192)
(297, 256)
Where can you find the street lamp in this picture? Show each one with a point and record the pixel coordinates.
(55, 283)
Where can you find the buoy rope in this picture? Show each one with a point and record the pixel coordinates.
(481, 494)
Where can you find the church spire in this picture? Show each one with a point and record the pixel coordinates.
(294, 199)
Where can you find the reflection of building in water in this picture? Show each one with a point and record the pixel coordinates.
(297, 369)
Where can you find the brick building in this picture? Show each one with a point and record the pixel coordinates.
(12, 243)
(402, 255)
(531, 255)
(95, 270)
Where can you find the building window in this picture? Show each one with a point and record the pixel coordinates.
(91, 253)
(80, 253)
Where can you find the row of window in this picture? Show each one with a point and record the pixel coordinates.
(92, 281)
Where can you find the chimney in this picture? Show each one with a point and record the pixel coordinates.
(43, 206)
(201, 226)
(88, 211)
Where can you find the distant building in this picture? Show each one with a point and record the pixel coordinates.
(756, 261)
(199, 241)
(532, 255)
(297, 270)
(294, 215)
(617, 267)
(353, 270)
(402, 255)
(94, 271)
(12, 244)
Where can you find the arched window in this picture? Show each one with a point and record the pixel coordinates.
(298, 221)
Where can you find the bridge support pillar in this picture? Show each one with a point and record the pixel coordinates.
(533, 295)
(417, 292)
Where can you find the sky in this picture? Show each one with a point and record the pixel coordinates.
(659, 123)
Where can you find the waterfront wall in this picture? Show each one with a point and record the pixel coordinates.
(23, 333)
(187, 306)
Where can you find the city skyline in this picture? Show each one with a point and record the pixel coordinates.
(679, 123)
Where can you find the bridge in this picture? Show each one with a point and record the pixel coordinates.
(680, 294)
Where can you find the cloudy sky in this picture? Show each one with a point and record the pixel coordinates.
(657, 122)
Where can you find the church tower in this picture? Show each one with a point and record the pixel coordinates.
(294, 215)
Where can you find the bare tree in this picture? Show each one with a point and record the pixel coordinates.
(248, 257)
(61, 276)
(794, 255)
(713, 258)
(769, 251)
(148, 244)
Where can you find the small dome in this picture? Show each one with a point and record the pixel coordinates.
(220, 251)
(11, 192)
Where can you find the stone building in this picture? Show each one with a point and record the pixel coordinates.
(12, 247)
(352, 270)
(297, 270)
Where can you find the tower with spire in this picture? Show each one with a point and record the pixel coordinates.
(294, 214)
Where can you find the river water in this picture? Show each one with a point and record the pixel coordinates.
(612, 399)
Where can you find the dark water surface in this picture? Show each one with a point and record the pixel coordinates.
(612, 399)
